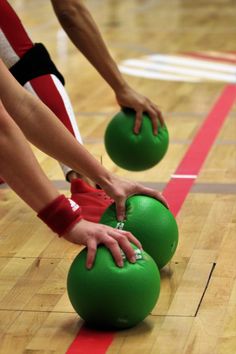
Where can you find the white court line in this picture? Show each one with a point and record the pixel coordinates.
(130, 64)
(184, 176)
(194, 63)
(155, 75)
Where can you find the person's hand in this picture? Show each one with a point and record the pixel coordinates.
(120, 189)
(91, 235)
(128, 98)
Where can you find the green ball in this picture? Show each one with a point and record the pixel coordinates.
(107, 296)
(151, 223)
(135, 152)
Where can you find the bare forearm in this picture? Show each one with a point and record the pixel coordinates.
(44, 130)
(84, 33)
(19, 167)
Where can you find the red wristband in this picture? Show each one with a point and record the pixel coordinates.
(61, 214)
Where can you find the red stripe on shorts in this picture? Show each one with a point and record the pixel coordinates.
(13, 29)
(47, 91)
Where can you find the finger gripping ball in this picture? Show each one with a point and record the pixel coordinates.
(135, 152)
(151, 223)
(112, 297)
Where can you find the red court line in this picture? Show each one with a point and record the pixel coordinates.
(89, 341)
(93, 342)
(177, 189)
(219, 59)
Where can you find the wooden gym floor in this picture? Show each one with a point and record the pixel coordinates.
(196, 312)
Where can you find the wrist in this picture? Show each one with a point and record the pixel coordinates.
(105, 181)
(61, 215)
(120, 87)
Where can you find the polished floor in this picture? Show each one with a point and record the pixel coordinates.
(182, 55)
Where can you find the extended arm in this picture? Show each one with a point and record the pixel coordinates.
(84, 33)
(21, 171)
(44, 130)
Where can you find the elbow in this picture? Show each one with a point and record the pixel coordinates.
(69, 13)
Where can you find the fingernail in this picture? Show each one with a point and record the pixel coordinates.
(120, 264)
(120, 218)
(133, 259)
(89, 266)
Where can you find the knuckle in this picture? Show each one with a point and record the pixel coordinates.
(128, 234)
(112, 242)
(154, 115)
(121, 237)
(92, 248)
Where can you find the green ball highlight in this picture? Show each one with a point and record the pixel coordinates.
(107, 296)
(135, 152)
(151, 223)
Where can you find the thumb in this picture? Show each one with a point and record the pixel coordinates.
(120, 209)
